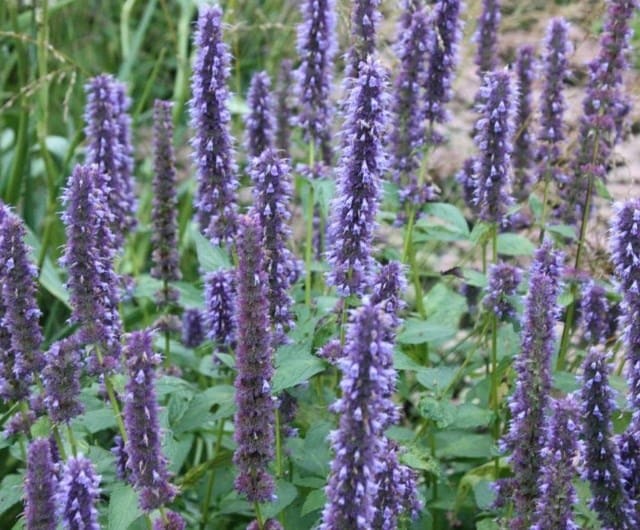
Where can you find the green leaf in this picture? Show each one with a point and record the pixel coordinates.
(123, 508)
(462, 444)
(470, 416)
(480, 233)
(285, 495)
(440, 412)
(536, 206)
(565, 231)
(601, 189)
(515, 245)
(10, 492)
(49, 277)
(450, 214)
(487, 524)
(210, 258)
(436, 378)
(444, 306)
(94, 421)
(314, 501)
(421, 331)
(199, 412)
(484, 494)
(418, 458)
(474, 277)
(402, 361)
(565, 381)
(324, 190)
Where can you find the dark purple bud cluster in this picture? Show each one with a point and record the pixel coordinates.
(260, 121)
(219, 294)
(193, 332)
(523, 147)
(486, 37)
(503, 282)
(40, 486)
(595, 311)
(61, 380)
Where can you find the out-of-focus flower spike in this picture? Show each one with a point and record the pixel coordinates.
(40, 487)
(260, 121)
(523, 148)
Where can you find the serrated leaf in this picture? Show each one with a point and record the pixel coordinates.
(417, 458)
(314, 501)
(296, 371)
(285, 495)
(480, 233)
(515, 245)
(440, 412)
(536, 206)
(475, 278)
(324, 190)
(450, 214)
(123, 508)
(96, 420)
(10, 492)
(461, 444)
(436, 378)
(211, 258)
(566, 231)
(421, 331)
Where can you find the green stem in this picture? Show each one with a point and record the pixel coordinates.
(212, 476)
(278, 446)
(259, 518)
(72, 440)
(114, 401)
(543, 220)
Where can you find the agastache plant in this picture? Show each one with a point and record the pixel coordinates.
(524, 439)
(523, 147)
(77, 495)
(316, 48)
(219, 295)
(503, 282)
(164, 236)
(365, 16)
(362, 166)
(554, 509)
(255, 416)
(260, 121)
(92, 283)
(193, 332)
(486, 37)
(145, 461)
(40, 487)
(271, 178)
(213, 155)
(601, 459)
(61, 380)
(493, 133)
(284, 107)
(595, 310)
(170, 521)
(603, 110)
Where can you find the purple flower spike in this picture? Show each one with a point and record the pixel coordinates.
(365, 16)
(92, 283)
(524, 439)
(388, 286)
(466, 179)
(602, 460)
(595, 310)
(10, 387)
(554, 508)
(486, 37)
(120, 454)
(362, 166)
(316, 48)
(284, 107)
(61, 380)
(255, 416)
(604, 108)
(493, 132)
(77, 495)
(272, 197)
(523, 143)
(552, 105)
(174, 521)
(40, 487)
(164, 238)
(216, 198)
(407, 137)
(193, 333)
(443, 59)
(21, 317)
(503, 282)
(146, 462)
(269, 524)
(260, 122)
(219, 294)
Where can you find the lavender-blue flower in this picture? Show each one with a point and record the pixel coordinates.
(523, 148)
(77, 495)
(503, 282)
(260, 123)
(61, 380)
(39, 487)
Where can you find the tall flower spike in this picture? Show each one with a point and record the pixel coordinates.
(407, 137)
(524, 439)
(77, 495)
(272, 196)
(486, 37)
(443, 59)
(595, 310)
(552, 104)
(219, 294)
(22, 315)
(503, 282)
(174, 521)
(146, 462)
(358, 444)
(10, 386)
(388, 286)
(284, 106)
(362, 166)
(316, 48)
(523, 142)
(493, 132)
(40, 487)
(193, 333)
(164, 238)
(602, 460)
(604, 108)
(91, 282)
(216, 199)
(61, 380)
(365, 15)
(255, 416)
(554, 508)
(260, 121)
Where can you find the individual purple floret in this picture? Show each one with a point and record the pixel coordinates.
(106, 129)
(552, 104)
(364, 408)
(21, 317)
(284, 107)
(272, 192)
(255, 416)
(269, 524)
(595, 309)
(40, 487)
(443, 59)
(146, 462)
(216, 199)
(316, 48)
(629, 462)
(77, 495)
(604, 108)
(193, 332)
(362, 166)
(407, 136)
(493, 133)
(164, 235)
(554, 508)
(524, 439)
(467, 181)
(601, 459)
(61, 380)
(260, 122)
(219, 294)
(523, 148)
(120, 454)
(92, 282)
(486, 37)
(503, 282)
(173, 521)
(389, 284)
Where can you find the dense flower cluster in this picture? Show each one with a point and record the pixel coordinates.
(77, 494)
(40, 486)
(219, 294)
(260, 121)
(61, 380)
(595, 311)
(523, 142)
(193, 332)
(486, 37)
(503, 282)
